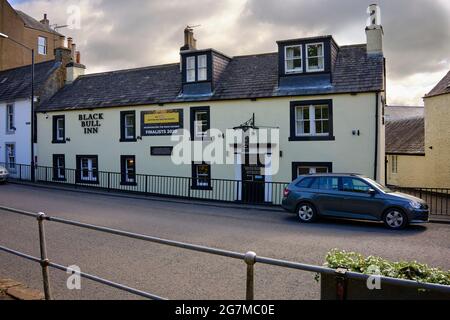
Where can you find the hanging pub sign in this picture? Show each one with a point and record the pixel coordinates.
(90, 123)
(161, 122)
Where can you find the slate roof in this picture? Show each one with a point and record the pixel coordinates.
(32, 23)
(406, 136)
(245, 77)
(442, 87)
(393, 113)
(16, 83)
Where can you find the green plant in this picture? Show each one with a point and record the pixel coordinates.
(411, 270)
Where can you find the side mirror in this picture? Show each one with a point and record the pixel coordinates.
(372, 192)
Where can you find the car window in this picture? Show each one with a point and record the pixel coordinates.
(325, 183)
(355, 185)
(328, 183)
(304, 183)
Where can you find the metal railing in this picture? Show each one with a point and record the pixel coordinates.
(224, 190)
(438, 199)
(250, 258)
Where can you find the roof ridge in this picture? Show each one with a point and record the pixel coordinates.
(130, 69)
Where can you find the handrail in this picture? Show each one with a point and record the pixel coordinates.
(250, 258)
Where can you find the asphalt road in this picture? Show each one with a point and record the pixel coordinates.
(179, 274)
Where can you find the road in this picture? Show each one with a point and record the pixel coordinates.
(179, 274)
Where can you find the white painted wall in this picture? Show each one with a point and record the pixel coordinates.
(21, 137)
(348, 153)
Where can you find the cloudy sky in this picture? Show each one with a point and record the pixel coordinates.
(117, 34)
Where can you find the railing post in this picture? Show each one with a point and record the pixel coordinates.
(249, 259)
(341, 284)
(44, 260)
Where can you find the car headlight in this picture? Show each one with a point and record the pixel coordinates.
(415, 205)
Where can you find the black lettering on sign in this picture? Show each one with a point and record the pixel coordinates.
(91, 122)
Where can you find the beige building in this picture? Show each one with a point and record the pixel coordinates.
(34, 34)
(418, 148)
(326, 101)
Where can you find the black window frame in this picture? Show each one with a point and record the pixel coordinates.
(209, 66)
(55, 129)
(295, 166)
(193, 111)
(123, 115)
(195, 185)
(55, 167)
(78, 171)
(123, 177)
(10, 125)
(304, 103)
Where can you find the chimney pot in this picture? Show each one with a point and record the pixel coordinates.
(78, 59)
(69, 42)
(74, 50)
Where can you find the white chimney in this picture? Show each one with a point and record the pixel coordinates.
(374, 30)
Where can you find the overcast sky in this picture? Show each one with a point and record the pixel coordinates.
(118, 34)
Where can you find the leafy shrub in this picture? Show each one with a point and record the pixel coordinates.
(411, 270)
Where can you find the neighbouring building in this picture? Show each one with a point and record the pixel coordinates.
(417, 142)
(28, 31)
(15, 105)
(326, 99)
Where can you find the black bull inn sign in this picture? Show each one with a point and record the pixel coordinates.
(90, 122)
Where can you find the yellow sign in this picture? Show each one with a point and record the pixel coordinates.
(161, 117)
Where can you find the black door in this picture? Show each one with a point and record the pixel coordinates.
(253, 185)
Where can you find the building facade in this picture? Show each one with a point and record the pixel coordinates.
(418, 149)
(325, 100)
(34, 34)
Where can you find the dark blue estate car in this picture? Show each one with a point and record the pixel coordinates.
(352, 196)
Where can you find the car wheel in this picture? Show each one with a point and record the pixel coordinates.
(395, 219)
(306, 212)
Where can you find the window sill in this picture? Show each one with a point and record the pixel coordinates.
(59, 179)
(201, 188)
(128, 140)
(312, 138)
(58, 142)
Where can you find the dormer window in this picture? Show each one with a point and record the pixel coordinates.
(293, 59)
(202, 67)
(190, 69)
(197, 68)
(315, 57)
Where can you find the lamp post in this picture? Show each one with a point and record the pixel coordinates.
(4, 36)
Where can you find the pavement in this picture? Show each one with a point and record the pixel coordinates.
(180, 274)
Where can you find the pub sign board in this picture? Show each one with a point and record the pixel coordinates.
(161, 122)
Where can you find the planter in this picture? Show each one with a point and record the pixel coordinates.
(357, 290)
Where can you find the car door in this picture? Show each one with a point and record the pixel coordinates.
(326, 195)
(357, 202)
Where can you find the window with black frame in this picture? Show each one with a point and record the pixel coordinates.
(128, 126)
(59, 129)
(87, 169)
(201, 176)
(59, 167)
(128, 170)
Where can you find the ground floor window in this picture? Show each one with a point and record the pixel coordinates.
(394, 164)
(128, 170)
(10, 156)
(59, 167)
(304, 168)
(87, 169)
(201, 176)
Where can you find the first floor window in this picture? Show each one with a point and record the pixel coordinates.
(128, 126)
(315, 57)
(42, 46)
(293, 59)
(200, 121)
(10, 156)
(59, 167)
(87, 169)
(311, 120)
(305, 168)
(59, 129)
(201, 175)
(128, 169)
(394, 164)
(10, 128)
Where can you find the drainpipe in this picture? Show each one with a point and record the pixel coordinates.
(377, 107)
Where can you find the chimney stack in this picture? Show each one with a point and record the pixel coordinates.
(374, 30)
(45, 21)
(189, 41)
